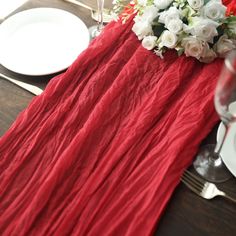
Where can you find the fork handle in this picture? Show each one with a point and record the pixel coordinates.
(228, 197)
(29, 87)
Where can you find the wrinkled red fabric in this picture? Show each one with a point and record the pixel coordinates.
(226, 2)
(231, 7)
(101, 151)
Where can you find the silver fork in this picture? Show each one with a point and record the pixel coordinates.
(203, 188)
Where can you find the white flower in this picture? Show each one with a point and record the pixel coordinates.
(149, 14)
(208, 54)
(193, 47)
(162, 17)
(162, 4)
(159, 52)
(214, 10)
(175, 26)
(224, 45)
(189, 26)
(142, 29)
(168, 39)
(196, 4)
(204, 28)
(171, 14)
(188, 29)
(149, 42)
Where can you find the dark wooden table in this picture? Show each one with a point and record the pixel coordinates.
(186, 213)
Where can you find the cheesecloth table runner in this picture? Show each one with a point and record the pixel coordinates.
(101, 151)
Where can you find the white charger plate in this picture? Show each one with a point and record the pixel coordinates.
(228, 151)
(41, 41)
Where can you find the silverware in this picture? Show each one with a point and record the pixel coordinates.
(30, 88)
(203, 188)
(107, 17)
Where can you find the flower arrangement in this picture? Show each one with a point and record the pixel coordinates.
(204, 29)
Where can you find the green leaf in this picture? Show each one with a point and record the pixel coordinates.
(158, 28)
(230, 19)
(180, 51)
(150, 2)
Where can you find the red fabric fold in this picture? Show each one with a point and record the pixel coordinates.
(101, 150)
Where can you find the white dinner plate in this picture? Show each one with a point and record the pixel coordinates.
(41, 41)
(228, 151)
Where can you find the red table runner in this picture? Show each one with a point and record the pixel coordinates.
(102, 149)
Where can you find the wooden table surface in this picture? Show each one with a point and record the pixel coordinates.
(186, 213)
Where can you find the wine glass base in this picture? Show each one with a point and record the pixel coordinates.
(210, 168)
(94, 31)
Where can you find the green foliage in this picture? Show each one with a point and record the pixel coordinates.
(157, 28)
(150, 2)
(180, 51)
(230, 19)
(230, 26)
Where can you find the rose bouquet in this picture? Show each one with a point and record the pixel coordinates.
(197, 28)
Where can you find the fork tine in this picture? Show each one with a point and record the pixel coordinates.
(195, 177)
(190, 187)
(192, 183)
(192, 179)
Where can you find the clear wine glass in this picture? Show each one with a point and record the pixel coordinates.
(95, 30)
(208, 162)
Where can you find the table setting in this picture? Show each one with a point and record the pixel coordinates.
(108, 132)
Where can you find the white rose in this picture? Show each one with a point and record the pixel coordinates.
(224, 45)
(150, 13)
(188, 29)
(214, 10)
(149, 42)
(168, 39)
(175, 26)
(142, 29)
(162, 4)
(196, 4)
(193, 47)
(162, 17)
(171, 14)
(138, 18)
(204, 29)
(208, 54)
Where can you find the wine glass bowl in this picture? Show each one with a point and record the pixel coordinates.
(225, 93)
(95, 30)
(208, 162)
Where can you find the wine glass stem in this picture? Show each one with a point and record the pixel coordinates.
(100, 4)
(221, 141)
